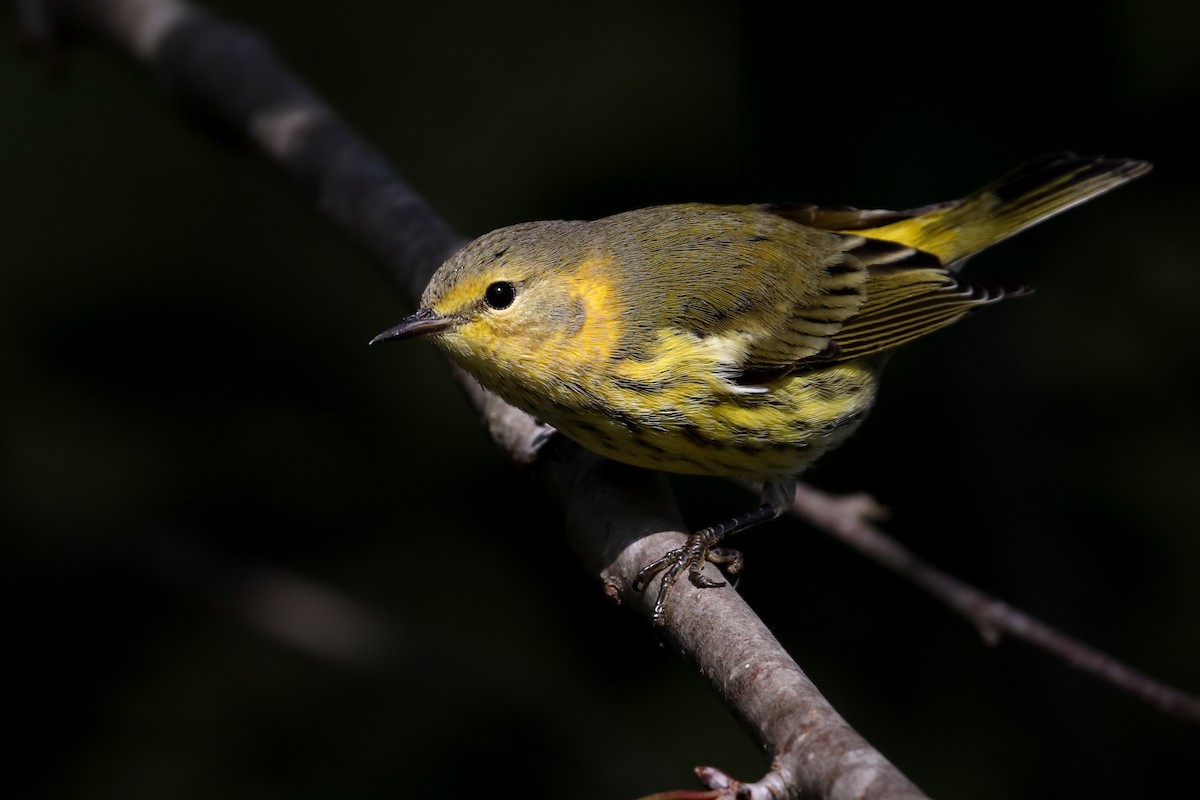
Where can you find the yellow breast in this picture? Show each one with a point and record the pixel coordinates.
(674, 406)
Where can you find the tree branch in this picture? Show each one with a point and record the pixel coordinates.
(621, 518)
(229, 74)
(848, 519)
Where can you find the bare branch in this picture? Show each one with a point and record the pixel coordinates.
(619, 519)
(848, 519)
(229, 73)
(616, 516)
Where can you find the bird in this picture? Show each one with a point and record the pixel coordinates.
(726, 340)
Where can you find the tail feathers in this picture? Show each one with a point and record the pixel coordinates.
(952, 231)
(1020, 199)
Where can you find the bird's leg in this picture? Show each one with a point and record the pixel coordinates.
(701, 546)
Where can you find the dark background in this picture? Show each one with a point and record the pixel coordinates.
(247, 557)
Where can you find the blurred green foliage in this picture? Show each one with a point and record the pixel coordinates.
(246, 557)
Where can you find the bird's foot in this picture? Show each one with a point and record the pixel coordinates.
(699, 548)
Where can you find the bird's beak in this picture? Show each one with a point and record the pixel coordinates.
(422, 323)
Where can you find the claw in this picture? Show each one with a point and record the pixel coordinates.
(701, 547)
(727, 559)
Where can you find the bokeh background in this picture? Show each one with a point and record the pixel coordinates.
(246, 557)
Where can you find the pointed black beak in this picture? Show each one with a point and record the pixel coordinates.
(422, 323)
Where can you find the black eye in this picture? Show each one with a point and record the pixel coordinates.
(500, 295)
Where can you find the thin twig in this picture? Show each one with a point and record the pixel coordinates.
(848, 519)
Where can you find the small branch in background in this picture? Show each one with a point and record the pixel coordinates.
(849, 520)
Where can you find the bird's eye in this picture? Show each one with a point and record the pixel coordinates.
(500, 295)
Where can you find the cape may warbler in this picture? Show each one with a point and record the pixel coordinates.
(725, 340)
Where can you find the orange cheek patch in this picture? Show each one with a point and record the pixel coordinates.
(599, 328)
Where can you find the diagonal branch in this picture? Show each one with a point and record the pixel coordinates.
(848, 519)
(617, 517)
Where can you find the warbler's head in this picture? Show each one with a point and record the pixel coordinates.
(526, 306)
